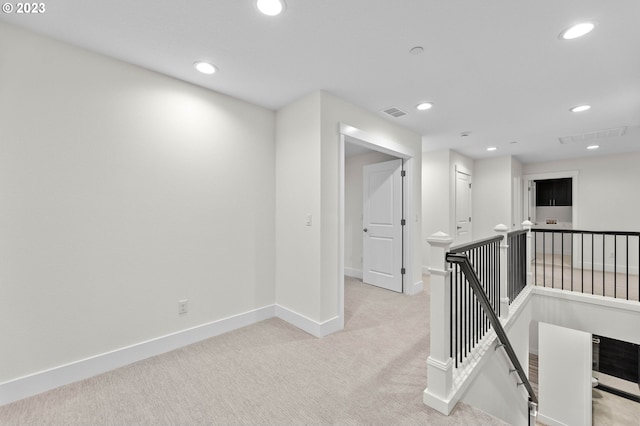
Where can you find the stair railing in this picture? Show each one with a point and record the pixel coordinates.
(465, 266)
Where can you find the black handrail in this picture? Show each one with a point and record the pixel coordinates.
(518, 232)
(578, 231)
(463, 261)
(469, 246)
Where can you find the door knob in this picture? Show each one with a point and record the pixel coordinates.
(365, 229)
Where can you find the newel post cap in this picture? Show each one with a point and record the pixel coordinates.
(439, 238)
(527, 223)
(501, 228)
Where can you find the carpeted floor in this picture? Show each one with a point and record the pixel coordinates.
(373, 372)
(557, 272)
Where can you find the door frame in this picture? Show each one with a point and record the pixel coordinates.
(359, 137)
(464, 171)
(573, 174)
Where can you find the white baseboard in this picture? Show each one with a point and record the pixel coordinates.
(312, 327)
(353, 273)
(549, 420)
(609, 267)
(33, 384)
(415, 288)
(36, 383)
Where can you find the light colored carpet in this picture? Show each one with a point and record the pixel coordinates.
(373, 372)
(556, 272)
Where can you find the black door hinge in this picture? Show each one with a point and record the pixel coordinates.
(403, 222)
(403, 173)
(403, 271)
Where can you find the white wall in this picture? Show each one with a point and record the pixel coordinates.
(435, 197)
(298, 183)
(492, 192)
(438, 194)
(613, 318)
(606, 201)
(123, 191)
(564, 376)
(517, 195)
(353, 209)
(308, 181)
(605, 192)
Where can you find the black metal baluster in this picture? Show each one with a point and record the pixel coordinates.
(460, 315)
(451, 297)
(615, 266)
(603, 264)
(593, 284)
(476, 254)
(562, 261)
(553, 255)
(498, 278)
(544, 258)
(535, 258)
(582, 259)
(572, 241)
(627, 259)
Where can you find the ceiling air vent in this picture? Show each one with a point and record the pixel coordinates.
(592, 136)
(394, 112)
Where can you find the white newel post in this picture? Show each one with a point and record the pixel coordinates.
(439, 364)
(504, 270)
(527, 224)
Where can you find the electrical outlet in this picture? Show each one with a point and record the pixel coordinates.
(183, 306)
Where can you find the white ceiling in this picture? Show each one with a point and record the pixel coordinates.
(495, 68)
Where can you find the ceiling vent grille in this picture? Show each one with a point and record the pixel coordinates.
(394, 112)
(592, 136)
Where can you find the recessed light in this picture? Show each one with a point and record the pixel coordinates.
(424, 106)
(577, 30)
(580, 108)
(465, 133)
(205, 67)
(416, 50)
(270, 7)
(593, 147)
(491, 148)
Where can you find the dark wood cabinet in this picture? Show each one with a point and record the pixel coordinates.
(554, 192)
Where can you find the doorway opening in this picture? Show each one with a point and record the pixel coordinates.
(370, 149)
(375, 209)
(551, 196)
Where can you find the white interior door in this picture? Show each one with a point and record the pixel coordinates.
(382, 225)
(463, 207)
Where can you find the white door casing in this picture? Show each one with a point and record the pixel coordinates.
(463, 207)
(382, 226)
(532, 201)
